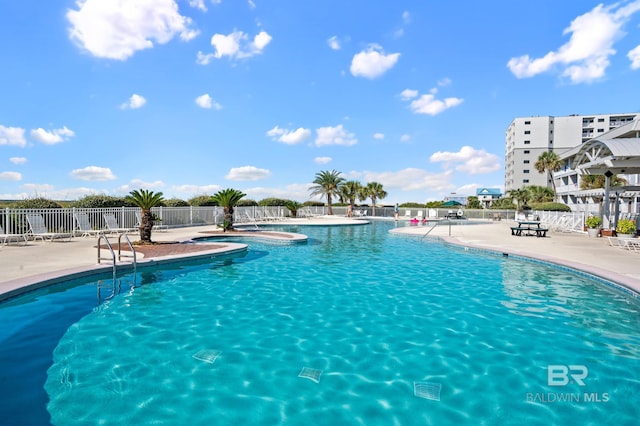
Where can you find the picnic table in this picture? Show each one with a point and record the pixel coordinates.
(529, 228)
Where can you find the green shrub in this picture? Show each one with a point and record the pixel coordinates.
(37, 203)
(100, 201)
(626, 226)
(593, 222)
(175, 202)
(202, 200)
(272, 202)
(551, 207)
(247, 203)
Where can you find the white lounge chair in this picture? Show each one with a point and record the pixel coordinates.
(407, 214)
(38, 229)
(113, 226)
(83, 225)
(156, 227)
(8, 237)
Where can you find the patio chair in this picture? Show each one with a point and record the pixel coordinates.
(156, 226)
(38, 229)
(83, 225)
(113, 226)
(407, 214)
(7, 237)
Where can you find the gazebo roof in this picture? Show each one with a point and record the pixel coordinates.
(597, 156)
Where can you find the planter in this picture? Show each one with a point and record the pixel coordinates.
(608, 232)
(593, 232)
(625, 236)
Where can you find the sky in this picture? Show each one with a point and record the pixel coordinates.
(189, 97)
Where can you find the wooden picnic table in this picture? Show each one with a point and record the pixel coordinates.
(529, 228)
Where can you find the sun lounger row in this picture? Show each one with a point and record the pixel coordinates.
(632, 244)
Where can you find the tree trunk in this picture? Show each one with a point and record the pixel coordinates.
(146, 225)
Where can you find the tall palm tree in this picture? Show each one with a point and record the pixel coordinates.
(145, 200)
(351, 190)
(327, 184)
(549, 162)
(374, 191)
(228, 199)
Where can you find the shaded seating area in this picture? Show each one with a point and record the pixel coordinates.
(38, 229)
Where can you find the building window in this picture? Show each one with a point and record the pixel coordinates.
(525, 180)
(600, 130)
(527, 122)
(526, 161)
(527, 142)
(527, 132)
(600, 120)
(525, 171)
(526, 151)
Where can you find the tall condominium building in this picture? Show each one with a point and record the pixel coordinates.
(528, 137)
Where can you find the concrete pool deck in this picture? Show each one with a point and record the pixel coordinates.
(21, 265)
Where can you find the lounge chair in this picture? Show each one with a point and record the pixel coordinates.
(38, 229)
(7, 237)
(113, 226)
(83, 225)
(156, 227)
(407, 214)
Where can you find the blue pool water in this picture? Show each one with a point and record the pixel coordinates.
(356, 326)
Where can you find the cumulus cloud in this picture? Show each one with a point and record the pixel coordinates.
(334, 136)
(322, 160)
(372, 62)
(378, 136)
(12, 136)
(18, 160)
(205, 101)
(634, 57)
(585, 57)
(473, 161)
(428, 104)
(405, 138)
(247, 173)
(93, 173)
(334, 43)
(289, 137)
(198, 4)
(15, 176)
(117, 29)
(51, 137)
(134, 102)
(235, 46)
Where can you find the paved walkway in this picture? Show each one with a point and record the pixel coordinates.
(22, 265)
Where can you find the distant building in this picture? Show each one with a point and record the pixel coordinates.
(528, 137)
(487, 196)
(462, 199)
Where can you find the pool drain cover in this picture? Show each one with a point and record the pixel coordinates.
(427, 390)
(207, 355)
(311, 374)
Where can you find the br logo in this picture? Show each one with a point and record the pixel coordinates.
(562, 375)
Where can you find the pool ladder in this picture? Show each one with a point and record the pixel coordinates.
(115, 259)
(435, 223)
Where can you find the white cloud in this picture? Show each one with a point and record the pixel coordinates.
(289, 137)
(585, 57)
(116, 29)
(10, 176)
(407, 94)
(189, 191)
(334, 136)
(51, 137)
(378, 136)
(198, 4)
(372, 62)
(134, 102)
(322, 160)
(334, 43)
(205, 101)
(444, 82)
(411, 179)
(428, 104)
(93, 173)
(405, 138)
(406, 17)
(18, 160)
(39, 188)
(247, 173)
(235, 45)
(634, 57)
(473, 161)
(12, 136)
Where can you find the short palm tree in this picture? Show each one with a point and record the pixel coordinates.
(228, 199)
(327, 184)
(549, 162)
(145, 200)
(350, 190)
(374, 191)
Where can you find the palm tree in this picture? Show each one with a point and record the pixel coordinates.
(351, 190)
(328, 184)
(540, 194)
(374, 191)
(521, 195)
(598, 181)
(145, 200)
(228, 199)
(549, 162)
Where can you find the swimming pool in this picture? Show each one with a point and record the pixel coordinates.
(357, 326)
